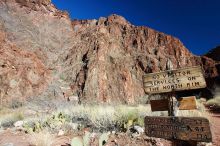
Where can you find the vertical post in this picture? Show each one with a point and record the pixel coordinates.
(169, 66)
(173, 109)
(172, 104)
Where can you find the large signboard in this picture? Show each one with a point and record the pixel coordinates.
(174, 80)
(181, 128)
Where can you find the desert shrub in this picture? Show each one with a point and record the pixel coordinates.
(10, 119)
(16, 104)
(215, 102)
(85, 141)
(106, 117)
(42, 138)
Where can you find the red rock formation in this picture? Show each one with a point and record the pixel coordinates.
(98, 60)
(111, 56)
(22, 74)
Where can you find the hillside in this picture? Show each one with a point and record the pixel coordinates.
(84, 60)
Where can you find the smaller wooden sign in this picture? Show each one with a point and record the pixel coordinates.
(159, 105)
(184, 103)
(187, 103)
(178, 128)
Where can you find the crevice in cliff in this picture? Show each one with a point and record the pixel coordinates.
(84, 72)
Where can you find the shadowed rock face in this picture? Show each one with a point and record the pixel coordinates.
(214, 54)
(98, 60)
(211, 62)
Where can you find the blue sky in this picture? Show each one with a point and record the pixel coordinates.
(195, 22)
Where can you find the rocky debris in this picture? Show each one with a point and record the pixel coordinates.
(139, 129)
(18, 124)
(61, 133)
(96, 60)
(123, 139)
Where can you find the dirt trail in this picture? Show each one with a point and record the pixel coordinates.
(9, 138)
(215, 125)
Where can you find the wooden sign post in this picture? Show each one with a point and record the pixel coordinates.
(181, 130)
(174, 80)
(183, 103)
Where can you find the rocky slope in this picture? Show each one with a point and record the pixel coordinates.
(22, 73)
(214, 54)
(87, 60)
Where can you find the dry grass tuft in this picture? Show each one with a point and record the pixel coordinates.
(43, 138)
(214, 103)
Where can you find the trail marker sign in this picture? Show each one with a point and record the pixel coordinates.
(159, 105)
(184, 103)
(178, 128)
(187, 103)
(174, 80)
(181, 130)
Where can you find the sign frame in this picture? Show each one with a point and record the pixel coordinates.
(178, 128)
(174, 80)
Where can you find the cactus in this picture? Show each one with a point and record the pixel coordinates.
(86, 138)
(103, 139)
(129, 124)
(37, 127)
(56, 120)
(27, 128)
(77, 141)
(33, 127)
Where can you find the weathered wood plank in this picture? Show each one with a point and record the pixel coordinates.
(184, 103)
(179, 128)
(187, 103)
(159, 105)
(174, 80)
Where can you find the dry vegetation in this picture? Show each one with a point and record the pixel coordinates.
(42, 138)
(43, 123)
(215, 102)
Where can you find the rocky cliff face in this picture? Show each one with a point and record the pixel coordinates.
(22, 73)
(211, 62)
(214, 55)
(112, 55)
(96, 60)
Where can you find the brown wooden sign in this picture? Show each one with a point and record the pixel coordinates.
(184, 103)
(159, 105)
(178, 128)
(174, 80)
(187, 103)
